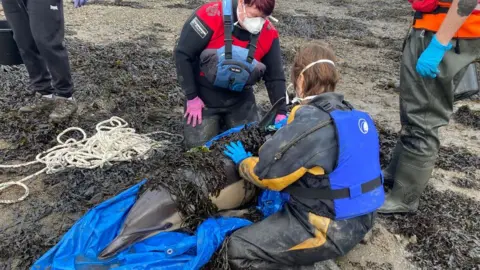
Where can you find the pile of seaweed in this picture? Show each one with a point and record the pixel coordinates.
(446, 224)
(208, 166)
(468, 117)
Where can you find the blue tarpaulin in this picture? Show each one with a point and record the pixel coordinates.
(80, 246)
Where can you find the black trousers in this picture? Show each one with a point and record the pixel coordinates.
(291, 238)
(216, 120)
(39, 30)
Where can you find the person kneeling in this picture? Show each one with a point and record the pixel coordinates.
(325, 160)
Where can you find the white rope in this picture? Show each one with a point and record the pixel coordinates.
(113, 142)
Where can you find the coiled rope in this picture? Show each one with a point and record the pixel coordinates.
(113, 142)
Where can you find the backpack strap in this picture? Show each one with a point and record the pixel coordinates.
(228, 27)
(252, 47)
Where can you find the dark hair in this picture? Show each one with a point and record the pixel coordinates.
(319, 78)
(264, 6)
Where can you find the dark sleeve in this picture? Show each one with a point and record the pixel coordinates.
(313, 154)
(274, 76)
(194, 38)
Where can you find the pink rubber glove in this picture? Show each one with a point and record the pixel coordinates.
(279, 118)
(194, 111)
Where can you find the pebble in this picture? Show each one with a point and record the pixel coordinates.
(413, 239)
(398, 237)
(4, 145)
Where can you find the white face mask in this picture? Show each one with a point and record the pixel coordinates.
(297, 98)
(252, 25)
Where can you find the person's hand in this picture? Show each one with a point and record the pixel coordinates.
(194, 111)
(79, 3)
(280, 117)
(236, 152)
(427, 64)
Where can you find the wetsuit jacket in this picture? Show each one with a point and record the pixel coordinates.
(205, 30)
(307, 163)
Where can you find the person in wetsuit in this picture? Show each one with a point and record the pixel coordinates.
(325, 162)
(224, 49)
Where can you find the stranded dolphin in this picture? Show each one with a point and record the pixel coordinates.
(155, 211)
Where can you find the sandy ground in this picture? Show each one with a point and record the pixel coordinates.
(367, 43)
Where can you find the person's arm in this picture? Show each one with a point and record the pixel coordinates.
(194, 37)
(429, 60)
(456, 16)
(274, 75)
(294, 163)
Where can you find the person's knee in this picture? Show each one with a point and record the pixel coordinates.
(202, 132)
(190, 141)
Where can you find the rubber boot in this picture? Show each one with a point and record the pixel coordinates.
(389, 171)
(411, 178)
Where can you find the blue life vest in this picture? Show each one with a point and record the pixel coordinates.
(356, 183)
(235, 64)
(358, 166)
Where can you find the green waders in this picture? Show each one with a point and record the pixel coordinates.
(425, 106)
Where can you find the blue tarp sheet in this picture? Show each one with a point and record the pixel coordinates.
(80, 246)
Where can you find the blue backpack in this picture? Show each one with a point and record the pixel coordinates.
(232, 67)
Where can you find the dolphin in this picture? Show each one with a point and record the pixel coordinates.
(155, 211)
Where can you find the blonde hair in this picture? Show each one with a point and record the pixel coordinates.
(319, 78)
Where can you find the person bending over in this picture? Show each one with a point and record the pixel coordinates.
(225, 48)
(326, 163)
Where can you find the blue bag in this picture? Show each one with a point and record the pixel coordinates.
(235, 67)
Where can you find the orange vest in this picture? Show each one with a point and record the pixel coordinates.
(431, 21)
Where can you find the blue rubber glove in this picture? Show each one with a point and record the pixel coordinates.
(79, 3)
(427, 65)
(236, 152)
